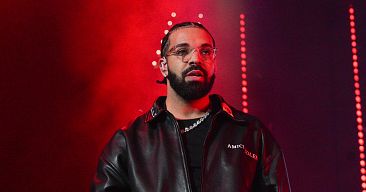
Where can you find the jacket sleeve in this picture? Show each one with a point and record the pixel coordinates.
(111, 174)
(272, 173)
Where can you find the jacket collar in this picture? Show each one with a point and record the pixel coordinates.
(217, 102)
(157, 108)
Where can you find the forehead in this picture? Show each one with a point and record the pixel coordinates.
(192, 36)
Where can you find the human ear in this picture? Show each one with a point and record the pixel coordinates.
(163, 65)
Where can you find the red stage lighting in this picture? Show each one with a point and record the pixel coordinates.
(243, 62)
(356, 78)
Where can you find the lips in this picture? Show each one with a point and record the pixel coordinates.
(198, 73)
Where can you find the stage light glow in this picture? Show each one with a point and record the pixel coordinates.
(243, 63)
(358, 99)
(356, 78)
(357, 85)
(354, 50)
(359, 120)
(359, 113)
(351, 10)
(357, 92)
(358, 106)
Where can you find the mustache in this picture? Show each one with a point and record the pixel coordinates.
(195, 67)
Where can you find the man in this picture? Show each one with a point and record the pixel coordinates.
(189, 140)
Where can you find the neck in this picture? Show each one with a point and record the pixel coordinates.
(183, 109)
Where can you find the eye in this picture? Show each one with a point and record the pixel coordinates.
(206, 51)
(181, 52)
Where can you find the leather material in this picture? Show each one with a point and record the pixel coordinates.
(239, 155)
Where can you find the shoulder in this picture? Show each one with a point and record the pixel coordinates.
(119, 140)
(250, 121)
(222, 106)
(134, 125)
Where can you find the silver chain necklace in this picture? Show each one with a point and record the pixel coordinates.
(199, 121)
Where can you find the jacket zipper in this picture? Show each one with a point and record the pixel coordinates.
(204, 151)
(176, 126)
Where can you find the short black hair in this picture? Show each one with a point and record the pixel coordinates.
(165, 41)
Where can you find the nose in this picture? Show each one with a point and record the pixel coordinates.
(194, 57)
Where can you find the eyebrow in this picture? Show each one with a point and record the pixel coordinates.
(187, 45)
(206, 45)
(180, 45)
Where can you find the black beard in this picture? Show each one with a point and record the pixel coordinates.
(190, 90)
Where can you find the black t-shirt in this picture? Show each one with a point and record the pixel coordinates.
(193, 143)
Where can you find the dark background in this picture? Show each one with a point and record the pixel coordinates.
(72, 72)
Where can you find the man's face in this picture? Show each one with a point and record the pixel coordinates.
(191, 76)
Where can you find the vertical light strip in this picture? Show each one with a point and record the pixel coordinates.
(360, 134)
(243, 57)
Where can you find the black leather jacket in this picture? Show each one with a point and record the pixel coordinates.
(239, 155)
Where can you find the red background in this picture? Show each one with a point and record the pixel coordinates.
(72, 72)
